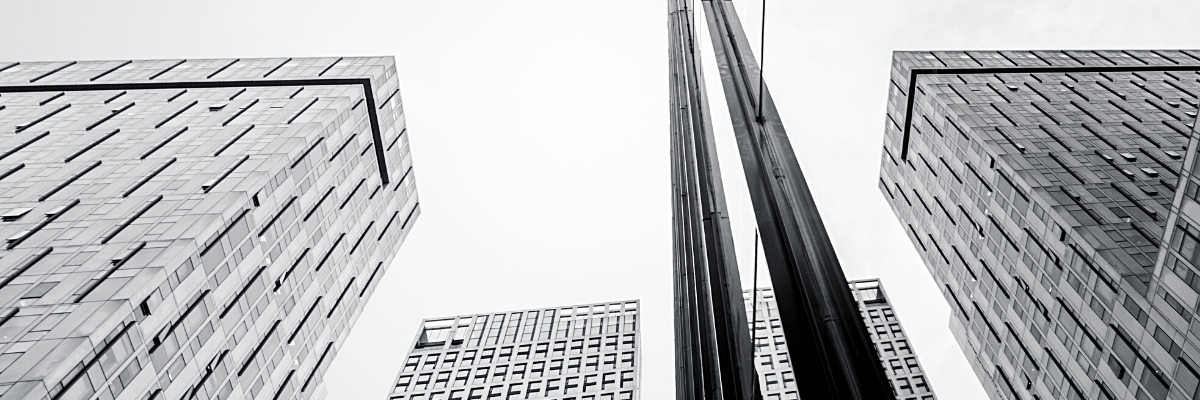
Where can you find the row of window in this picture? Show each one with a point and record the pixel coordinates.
(497, 393)
(522, 326)
(503, 373)
(521, 352)
(590, 383)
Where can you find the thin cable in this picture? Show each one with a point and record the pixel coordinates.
(762, 60)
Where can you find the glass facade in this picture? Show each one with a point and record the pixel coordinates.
(586, 352)
(1040, 188)
(776, 378)
(193, 229)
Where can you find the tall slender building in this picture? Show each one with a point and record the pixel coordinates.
(193, 229)
(776, 378)
(586, 352)
(1050, 195)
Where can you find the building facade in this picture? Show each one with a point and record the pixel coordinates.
(776, 378)
(586, 352)
(193, 229)
(1041, 190)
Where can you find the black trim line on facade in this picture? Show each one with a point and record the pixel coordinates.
(372, 116)
(917, 72)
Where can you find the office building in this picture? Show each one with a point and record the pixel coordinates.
(193, 229)
(776, 378)
(1048, 194)
(586, 352)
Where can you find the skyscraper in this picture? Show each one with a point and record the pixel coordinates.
(1040, 188)
(193, 229)
(586, 352)
(775, 375)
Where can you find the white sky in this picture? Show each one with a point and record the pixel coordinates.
(540, 134)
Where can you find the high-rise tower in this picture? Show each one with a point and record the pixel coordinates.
(778, 381)
(193, 229)
(586, 352)
(1040, 188)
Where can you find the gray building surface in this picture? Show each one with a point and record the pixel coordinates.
(585, 352)
(193, 229)
(776, 378)
(1050, 194)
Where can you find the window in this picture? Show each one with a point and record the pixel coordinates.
(572, 385)
(610, 361)
(913, 367)
(560, 348)
(626, 360)
(527, 330)
(593, 345)
(515, 391)
(609, 382)
(505, 354)
(591, 363)
(461, 378)
(902, 347)
(573, 365)
(493, 335)
(443, 380)
(518, 371)
(541, 350)
(887, 349)
(422, 381)
(499, 373)
(496, 392)
(553, 387)
(556, 367)
(468, 358)
(919, 383)
(412, 363)
(430, 362)
(772, 381)
(486, 356)
(610, 343)
(903, 387)
(448, 360)
(534, 390)
(404, 382)
(536, 369)
(480, 376)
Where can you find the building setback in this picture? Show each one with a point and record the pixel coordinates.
(1039, 187)
(193, 229)
(586, 352)
(776, 378)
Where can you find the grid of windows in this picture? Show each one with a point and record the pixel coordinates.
(587, 352)
(776, 379)
(191, 229)
(1040, 190)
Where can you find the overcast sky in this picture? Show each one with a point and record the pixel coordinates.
(539, 131)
